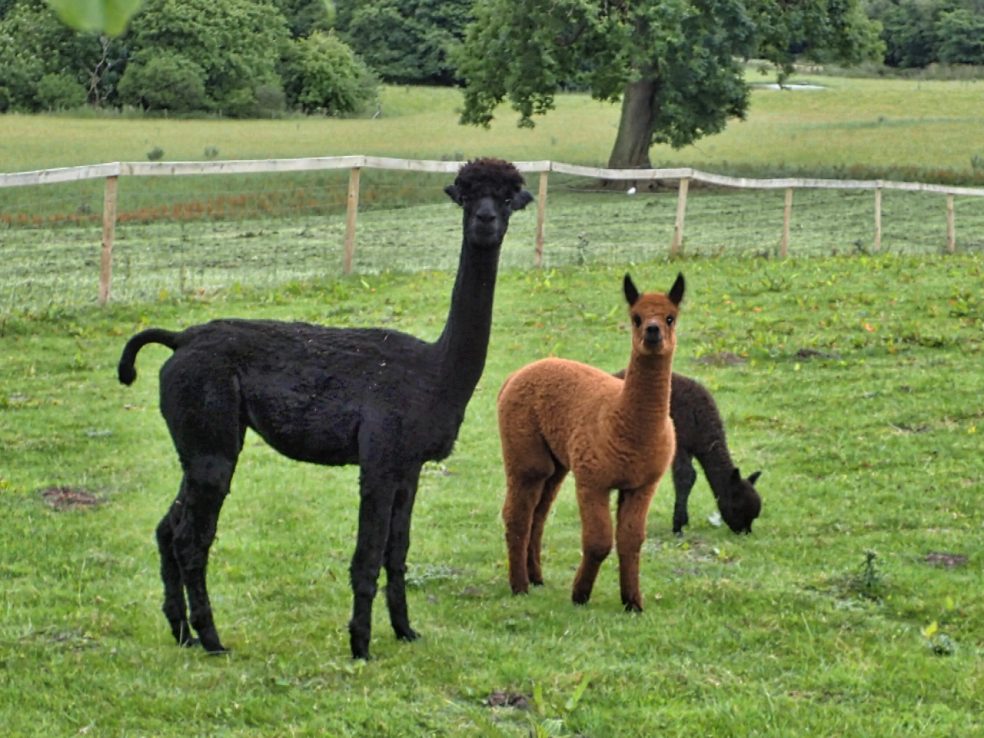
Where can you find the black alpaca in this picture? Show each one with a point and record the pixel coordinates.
(700, 435)
(378, 398)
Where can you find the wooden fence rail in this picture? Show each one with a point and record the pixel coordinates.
(111, 172)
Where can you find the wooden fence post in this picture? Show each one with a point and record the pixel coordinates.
(951, 226)
(109, 231)
(681, 214)
(787, 218)
(351, 211)
(541, 216)
(878, 213)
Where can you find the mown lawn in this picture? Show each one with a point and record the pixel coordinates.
(853, 382)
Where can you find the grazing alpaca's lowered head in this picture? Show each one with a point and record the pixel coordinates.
(557, 416)
(700, 435)
(377, 398)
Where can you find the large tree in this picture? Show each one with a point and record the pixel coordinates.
(676, 65)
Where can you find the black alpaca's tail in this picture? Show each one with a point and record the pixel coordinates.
(126, 372)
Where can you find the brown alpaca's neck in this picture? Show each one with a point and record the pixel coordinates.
(645, 398)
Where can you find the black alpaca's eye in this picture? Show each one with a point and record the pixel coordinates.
(670, 319)
(636, 321)
(507, 201)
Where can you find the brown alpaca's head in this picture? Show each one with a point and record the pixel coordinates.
(741, 504)
(654, 317)
(489, 191)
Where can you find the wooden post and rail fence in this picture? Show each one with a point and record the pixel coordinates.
(111, 173)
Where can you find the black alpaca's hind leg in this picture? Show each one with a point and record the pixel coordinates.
(397, 546)
(684, 478)
(175, 609)
(205, 487)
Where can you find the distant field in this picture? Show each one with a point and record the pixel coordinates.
(907, 127)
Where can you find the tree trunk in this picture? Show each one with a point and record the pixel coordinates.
(635, 127)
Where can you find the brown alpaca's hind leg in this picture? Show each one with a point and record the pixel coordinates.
(633, 506)
(596, 540)
(550, 489)
(523, 493)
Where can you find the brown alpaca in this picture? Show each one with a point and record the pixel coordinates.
(557, 416)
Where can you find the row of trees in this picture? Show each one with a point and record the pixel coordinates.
(675, 65)
(241, 58)
(918, 33)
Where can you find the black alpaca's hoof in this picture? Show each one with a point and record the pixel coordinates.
(409, 635)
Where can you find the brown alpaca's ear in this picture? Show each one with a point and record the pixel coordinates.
(453, 192)
(631, 293)
(676, 291)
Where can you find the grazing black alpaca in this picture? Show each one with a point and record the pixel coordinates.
(700, 435)
(377, 398)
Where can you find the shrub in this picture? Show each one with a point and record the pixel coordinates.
(163, 81)
(60, 92)
(324, 75)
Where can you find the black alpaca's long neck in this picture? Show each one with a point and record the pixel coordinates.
(645, 398)
(716, 462)
(462, 347)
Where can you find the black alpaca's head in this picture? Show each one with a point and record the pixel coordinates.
(489, 191)
(742, 504)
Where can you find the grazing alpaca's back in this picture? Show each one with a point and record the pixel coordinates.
(374, 397)
(557, 416)
(700, 435)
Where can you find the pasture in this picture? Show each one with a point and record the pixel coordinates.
(851, 379)
(853, 383)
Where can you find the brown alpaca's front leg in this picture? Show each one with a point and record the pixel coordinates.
(633, 507)
(596, 540)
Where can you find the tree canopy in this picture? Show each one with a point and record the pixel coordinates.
(676, 65)
(242, 58)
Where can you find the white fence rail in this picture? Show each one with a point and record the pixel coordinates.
(111, 172)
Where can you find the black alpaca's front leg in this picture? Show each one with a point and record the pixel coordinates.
(375, 512)
(684, 478)
(396, 560)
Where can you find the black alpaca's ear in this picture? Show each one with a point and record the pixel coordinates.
(521, 200)
(631, 293)
(453, 192)
(754, 478)
(676, 291)
(735, 476)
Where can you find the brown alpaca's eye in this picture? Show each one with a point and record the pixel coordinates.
(670, 319)
(636, 321)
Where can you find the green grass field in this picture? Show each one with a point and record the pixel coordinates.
(885, 127)
(852, 379)
(853, 382)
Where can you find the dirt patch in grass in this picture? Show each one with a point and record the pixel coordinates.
(724, 358)
(508, 699)
(945, 560)
(69, 498)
